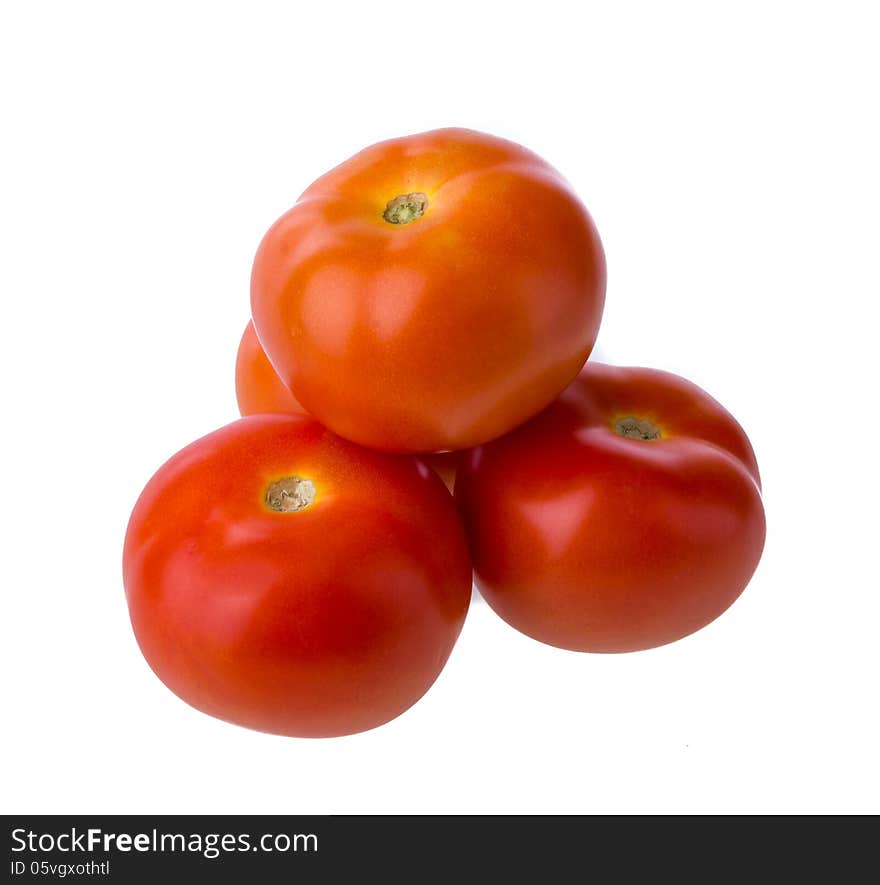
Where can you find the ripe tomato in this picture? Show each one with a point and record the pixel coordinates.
(430, 293)
(625, 516)
(283, 579)
(258, 388)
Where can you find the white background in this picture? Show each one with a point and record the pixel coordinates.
(729, 154)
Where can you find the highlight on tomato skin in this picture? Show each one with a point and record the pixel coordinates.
(625, 516)
(283, 579)
(431, 293)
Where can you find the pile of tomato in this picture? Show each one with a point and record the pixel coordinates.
(419, 414)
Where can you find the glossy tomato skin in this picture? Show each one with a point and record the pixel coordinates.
(448, 330)
(324, 621)
(590, 540)
(258, 389)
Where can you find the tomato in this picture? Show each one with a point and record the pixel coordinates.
(430, 293)
(625, 516)
(283, 579)
(258, 388)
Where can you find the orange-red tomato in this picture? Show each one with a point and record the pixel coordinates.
(430, 293)
(284, 579)
(625, 516)
(258, 388)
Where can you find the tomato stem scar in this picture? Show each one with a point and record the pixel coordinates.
(290, 494)
(405, 208)
(637, 428)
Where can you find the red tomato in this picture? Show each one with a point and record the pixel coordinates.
(430, 293)
(625, 516)
(258, 388)
(283, 579)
